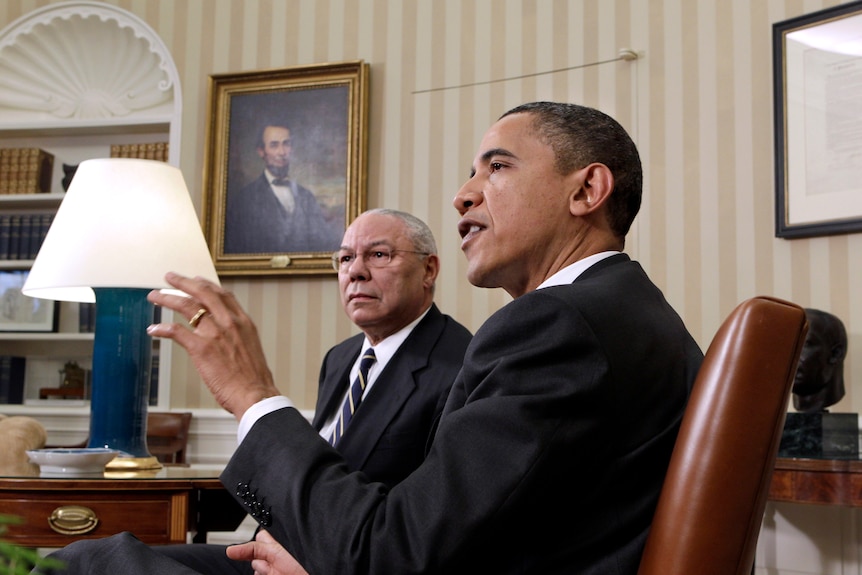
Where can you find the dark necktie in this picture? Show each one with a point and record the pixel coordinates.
(351, 404)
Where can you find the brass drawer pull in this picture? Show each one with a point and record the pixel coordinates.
(73, 520)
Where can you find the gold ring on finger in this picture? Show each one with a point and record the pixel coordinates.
(196, 319)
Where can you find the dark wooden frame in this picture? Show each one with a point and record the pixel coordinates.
(822, 210)
(47, 320)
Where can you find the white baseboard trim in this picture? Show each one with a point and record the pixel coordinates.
(212, 436)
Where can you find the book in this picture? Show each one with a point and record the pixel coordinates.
(25, 171)
(21, 235)
(45, 221)
(12, 369)
(86, 317)
(35, 239)
(26, 224)
(155, 151)
(14, 236)
(5, 230)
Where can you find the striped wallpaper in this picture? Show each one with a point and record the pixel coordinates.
(697, 100)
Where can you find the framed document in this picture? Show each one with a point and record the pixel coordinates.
(817, 67)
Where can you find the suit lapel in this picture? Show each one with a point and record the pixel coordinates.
(393, 387)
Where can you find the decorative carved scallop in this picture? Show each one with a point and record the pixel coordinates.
(83, 60)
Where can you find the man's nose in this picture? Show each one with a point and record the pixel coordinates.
(357, 269)
(467, 197)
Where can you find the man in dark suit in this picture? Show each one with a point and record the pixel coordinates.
(554, 442)
(387, 436)
(274, 214)
(391, 304)
(419, 353)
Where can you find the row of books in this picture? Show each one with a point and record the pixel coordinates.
(156, 151)
(12, 383)
(12, 379)
(86, 317)
(21, 235)
(25, 171)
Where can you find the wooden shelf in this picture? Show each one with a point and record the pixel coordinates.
(16, 265)
(65, 122)
(88, 127)
(44, 336)
(30, 201)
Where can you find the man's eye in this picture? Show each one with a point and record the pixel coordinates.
(496, 166)
(378, 255)
(345, 259)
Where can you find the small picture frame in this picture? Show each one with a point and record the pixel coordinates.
(818, 108)
(285, 167)
(21, 313)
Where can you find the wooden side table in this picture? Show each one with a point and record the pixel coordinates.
(817, 481)
(160, 509)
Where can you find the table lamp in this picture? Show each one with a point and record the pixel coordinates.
(121, 226)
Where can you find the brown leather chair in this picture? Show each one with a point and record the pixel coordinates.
(711, 505)
(168, 435)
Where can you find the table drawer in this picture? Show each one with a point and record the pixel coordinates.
(155, 517)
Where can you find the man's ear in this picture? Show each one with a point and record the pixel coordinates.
(432, 268)
(592, 186)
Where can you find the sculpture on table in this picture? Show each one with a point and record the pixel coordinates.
(819, 381)
(20, 434)
(812, 431)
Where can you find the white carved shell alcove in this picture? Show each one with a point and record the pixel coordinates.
(84, 61)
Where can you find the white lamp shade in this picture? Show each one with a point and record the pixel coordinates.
(124, 223)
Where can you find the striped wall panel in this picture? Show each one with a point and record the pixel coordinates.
(698, 100)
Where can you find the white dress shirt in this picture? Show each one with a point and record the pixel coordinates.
(383, 351)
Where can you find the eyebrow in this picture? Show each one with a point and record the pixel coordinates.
(486, 157)
(372, 245)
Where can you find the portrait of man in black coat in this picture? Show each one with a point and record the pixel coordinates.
(274, 213)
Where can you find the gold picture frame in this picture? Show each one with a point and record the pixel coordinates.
(308, 126)
(818, 159)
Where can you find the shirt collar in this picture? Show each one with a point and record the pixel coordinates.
(571, 272)
(386, 348)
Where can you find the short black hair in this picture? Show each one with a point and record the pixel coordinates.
(272, 123)
(579, 136)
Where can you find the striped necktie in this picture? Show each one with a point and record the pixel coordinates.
(351, 404)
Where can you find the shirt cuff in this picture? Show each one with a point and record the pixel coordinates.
(258, 410)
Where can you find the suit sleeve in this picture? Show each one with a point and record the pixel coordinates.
(531, 385)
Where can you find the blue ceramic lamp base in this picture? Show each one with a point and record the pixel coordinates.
(122, 356)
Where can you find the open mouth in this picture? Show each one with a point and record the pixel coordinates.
(468, 230)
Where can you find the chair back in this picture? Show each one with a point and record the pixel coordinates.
(712, 502)
(168, 435)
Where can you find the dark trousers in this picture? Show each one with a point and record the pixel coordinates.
(124, 553)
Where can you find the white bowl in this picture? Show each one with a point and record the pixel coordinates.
(72, 460)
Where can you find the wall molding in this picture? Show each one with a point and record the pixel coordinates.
(212, 435)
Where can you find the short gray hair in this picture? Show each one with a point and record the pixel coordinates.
(418, 231)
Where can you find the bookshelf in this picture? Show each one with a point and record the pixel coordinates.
(87, 111)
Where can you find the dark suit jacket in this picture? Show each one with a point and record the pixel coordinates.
(256, 222)
(548, 458)
(388, 433)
